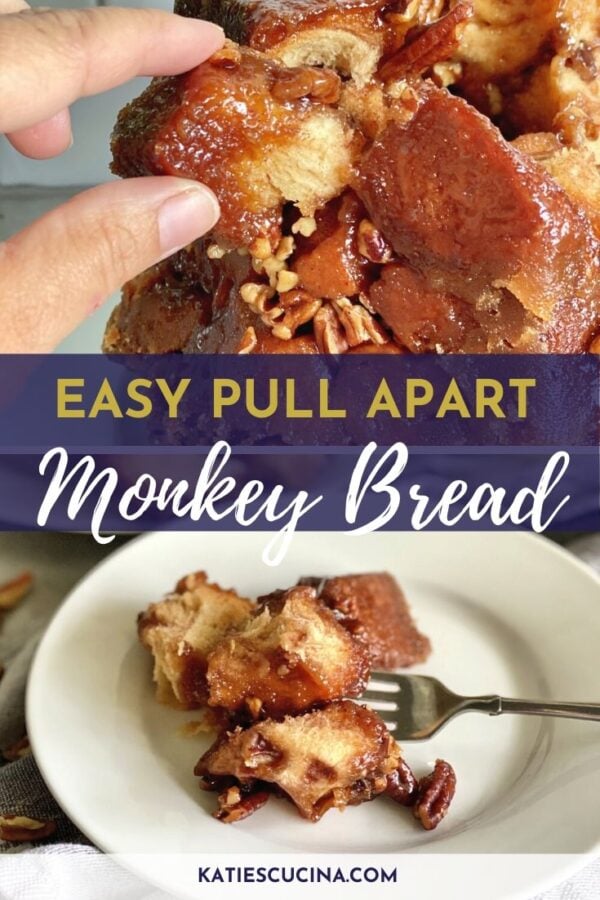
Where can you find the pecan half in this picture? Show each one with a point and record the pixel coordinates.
(329, 334)
(297, 308)
(21, 829)
(235, 806)
(358, 323)
(262, 752)
(434, 796)
(322, 85)
(17, 751)
(11, 592)
(402, 786)
(432, 44)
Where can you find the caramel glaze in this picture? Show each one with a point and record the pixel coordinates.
(478, 221)
(215, 124)
(263, 24)
(160, 309)
(328, 263)
(373, 608)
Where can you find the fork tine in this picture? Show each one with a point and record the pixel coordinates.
(388, 697)
(387, 678)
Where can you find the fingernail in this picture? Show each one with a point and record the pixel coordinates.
(185, 217)
(205, 28)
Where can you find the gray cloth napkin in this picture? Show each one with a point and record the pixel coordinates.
(58, 561)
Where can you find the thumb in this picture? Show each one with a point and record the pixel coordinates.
(60, 269)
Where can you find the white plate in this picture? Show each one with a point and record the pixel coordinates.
(507, 613)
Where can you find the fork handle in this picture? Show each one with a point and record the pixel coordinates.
(496, 706)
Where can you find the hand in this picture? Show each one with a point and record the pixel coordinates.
(61, 268)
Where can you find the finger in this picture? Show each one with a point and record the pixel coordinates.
(59, 270)
(49, 138)
(74, 53)
(11, 6)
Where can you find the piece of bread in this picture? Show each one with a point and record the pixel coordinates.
(374, 609)
(479, 222)
(290, 656)
(258, 133)
(338, 756)
(182, 629)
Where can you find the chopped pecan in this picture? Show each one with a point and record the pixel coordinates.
(402, 786)
(258, 297)
(446, 73)
(305, 225)
(285, 247)
(262, 752)
(248, 341)
(297, 308)
(21, 829)
(260, 248)
(326, 86)
(323, 85)
(254, 705)
(583, 61)
(11, 592)
(228, 57)
(286, 281)
(425, 11)
(273, 266)
(234, 806)
(432, 44)
(358, 323)
(434, 795)
(329, 333)
(372, 244)
(215, 251)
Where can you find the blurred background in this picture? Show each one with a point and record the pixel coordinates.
(29, 187)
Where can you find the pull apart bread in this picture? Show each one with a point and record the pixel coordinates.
(338, 756)
(182, 629)
(277, 675)
(369, 201)
(290, 656)
(374, 610)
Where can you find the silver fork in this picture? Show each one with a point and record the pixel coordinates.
(414, 707)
